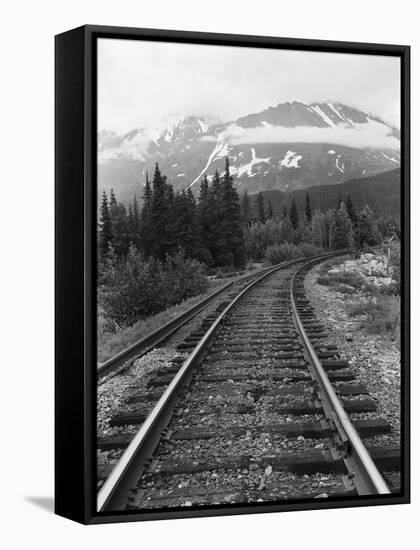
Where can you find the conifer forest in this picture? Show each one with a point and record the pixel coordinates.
(167, 247)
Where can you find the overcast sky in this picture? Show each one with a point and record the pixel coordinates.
(140, 84)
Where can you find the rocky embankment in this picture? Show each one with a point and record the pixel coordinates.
(375, 358)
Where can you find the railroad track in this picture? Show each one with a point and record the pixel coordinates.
(259, 411)
(124, 359)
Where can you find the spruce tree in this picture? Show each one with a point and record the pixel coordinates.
(233, 248)
(105, 225)
(351, 210)
(120, 229)
(145, 222)
(341, 229)
(112, 202)
(185, 228)
(308, 210)
(294, 218)
(259, 207)
(130, 223)
(318, 229)
(159, 216)
(270, 211)
(136, 223)
(205, 218)
(286, 230)
(246, 211)
(367, 232)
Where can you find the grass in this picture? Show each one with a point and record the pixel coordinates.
(381, 315)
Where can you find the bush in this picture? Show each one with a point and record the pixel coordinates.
(278, 253)
(342, 281)
(308, 249)
(381, 315)
(395, 265)
(135, 288)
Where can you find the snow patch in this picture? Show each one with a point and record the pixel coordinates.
(221, 149)
(331, 106)
(180, 175)
(331, 152)
(174, 165)
(291, 160)
(392, 159)
(204, 127)
(341, 168)
(247, 168)
(324, 116)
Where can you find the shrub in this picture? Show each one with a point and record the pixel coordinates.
(308, 249)
(278, 253)
(342, 280)
(395, 265)
(381, 315)
(135, 288)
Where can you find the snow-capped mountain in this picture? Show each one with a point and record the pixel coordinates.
(287, 147)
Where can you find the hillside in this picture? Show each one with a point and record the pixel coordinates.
(382, 193)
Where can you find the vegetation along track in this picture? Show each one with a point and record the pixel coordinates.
(260, 411)
(125, 358)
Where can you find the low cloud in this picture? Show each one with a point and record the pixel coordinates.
(371, 134)
(134, 148)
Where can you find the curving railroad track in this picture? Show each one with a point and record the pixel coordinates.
(261, 410)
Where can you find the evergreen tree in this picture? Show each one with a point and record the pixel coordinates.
(112, 202)
(259, 207)
(246, 210)
(120, 229)
(286, 230)
(136, 223)
(318, 229)
(367, 233)
(130, 223)
(145, 221)
(270, 211)
(328, 221)
(341, 230)
(308, 210)
(284, 212)
(206, 215)
(294, 218)
(185, 227)
(159, 242)
(105, 225)
(232, 250)
(351, 210)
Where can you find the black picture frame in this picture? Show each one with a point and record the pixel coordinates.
(75, 291)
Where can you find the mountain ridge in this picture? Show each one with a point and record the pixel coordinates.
(287, 147)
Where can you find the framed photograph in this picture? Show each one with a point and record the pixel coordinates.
(232, 274)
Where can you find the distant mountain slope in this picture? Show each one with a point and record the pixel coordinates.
(382, 193)
(287, 147)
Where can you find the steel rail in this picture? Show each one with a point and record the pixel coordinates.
(150, 341)
(114, 493)
(368, 479)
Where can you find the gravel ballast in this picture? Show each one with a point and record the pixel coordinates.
(375, 359)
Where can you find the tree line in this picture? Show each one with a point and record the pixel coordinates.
(159, 254)
(220, 229)
(208, 229)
